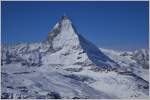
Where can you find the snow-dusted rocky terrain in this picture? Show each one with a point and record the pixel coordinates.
(136, 62)
(66, 65)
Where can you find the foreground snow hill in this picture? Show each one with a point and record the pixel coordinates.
(66, 65)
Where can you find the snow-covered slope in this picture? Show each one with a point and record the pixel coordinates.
(66, 65)
(64, 46)
(69, 47)
(54, 82)
(135, 62)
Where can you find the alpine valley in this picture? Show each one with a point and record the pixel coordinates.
(67, 66)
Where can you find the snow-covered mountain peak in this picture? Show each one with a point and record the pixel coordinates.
(63, 35)
(64, 38)
(67, 66)
(65, 46)
(65, 17)
(64, 24)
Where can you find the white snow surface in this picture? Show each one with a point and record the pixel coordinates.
(128, 63)
(67, 66)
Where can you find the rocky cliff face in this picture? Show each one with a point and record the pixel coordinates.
(65, 46)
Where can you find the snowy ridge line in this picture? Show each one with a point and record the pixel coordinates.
(67, 66)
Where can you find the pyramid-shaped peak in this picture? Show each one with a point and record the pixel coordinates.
(65, 17)
(64, 21)
(64, 38)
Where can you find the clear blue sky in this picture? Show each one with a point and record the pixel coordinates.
(116, 25)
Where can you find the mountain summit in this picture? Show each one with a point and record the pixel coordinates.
(64, 46)
(64, 40)
(67, 66)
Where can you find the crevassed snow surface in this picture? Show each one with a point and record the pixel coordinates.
(66, 65)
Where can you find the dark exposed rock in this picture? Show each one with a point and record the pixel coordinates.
(146, 87)
(81, 52)
(10, 87)
(80, 78)
(75, 98)
(53, 95)
(21, 73)
(74, 69)
(23, 89)
(7, 96)
(79, 57)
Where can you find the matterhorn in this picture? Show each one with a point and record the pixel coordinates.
(67, 66)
